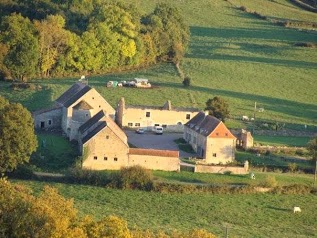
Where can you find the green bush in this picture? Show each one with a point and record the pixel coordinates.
(269, 182)
(85, 176)
(186, 81)
(22, 172)
(228, 173)
(299, 152)
(293, 189)
(175, 188)
(135, 177)
(292, 167)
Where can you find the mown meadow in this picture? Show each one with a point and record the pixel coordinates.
(252, 215)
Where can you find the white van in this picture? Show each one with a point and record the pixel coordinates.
(158, 130)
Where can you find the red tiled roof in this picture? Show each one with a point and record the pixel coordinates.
(152, 152)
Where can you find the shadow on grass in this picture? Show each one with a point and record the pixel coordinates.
(296, 109)
(280, 209)
(203, 48)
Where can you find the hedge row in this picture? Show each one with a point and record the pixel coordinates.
(140, 178)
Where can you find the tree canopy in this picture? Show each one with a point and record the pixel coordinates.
(18, 34)
(18, 140)
(79, 36)
(218, 108)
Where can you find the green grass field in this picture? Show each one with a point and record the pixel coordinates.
(256, 215)
(54, 154)
(232, 54)
(282, 140)
(283, 179)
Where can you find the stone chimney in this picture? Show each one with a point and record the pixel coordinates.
(120, 112)
(168, 105)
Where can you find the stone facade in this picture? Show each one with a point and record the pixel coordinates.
(105, 150)
(72, 109)
(170, 118)
(91, 97)
(210, 139)
(155, 159)
(48, 119)
(244, 139)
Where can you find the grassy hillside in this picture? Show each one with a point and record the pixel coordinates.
(256, 215)
(232, 54)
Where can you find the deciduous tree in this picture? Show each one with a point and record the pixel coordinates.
(18, 140)
(24, 215)
(53, 41)
(218, 108)
(18, 34)
(169, 32)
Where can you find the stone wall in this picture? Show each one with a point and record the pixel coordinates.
(200, 168)
(154, 159)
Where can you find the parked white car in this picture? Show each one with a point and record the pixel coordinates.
(158, 130)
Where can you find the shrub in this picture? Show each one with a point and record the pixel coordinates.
(86, 176)
(269, 182)
(135, 177)
(293, 189)
(258, 15)
(299, 152)
(175, 188)
(22, 172)
(200, 233)
(228, 172)
(186, 81)
(292, 167)
(243, 8)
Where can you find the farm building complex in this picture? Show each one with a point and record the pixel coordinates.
(86, 117)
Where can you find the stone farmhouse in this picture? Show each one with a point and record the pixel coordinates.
(170, 118)
(85, 116)
(210, 138)
(72, 109)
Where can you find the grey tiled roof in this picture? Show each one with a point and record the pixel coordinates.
(91, 134)
(73, 94)
(96, 122)
(92, 121)
(203, 124)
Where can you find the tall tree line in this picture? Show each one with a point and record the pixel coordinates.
(54, 38)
